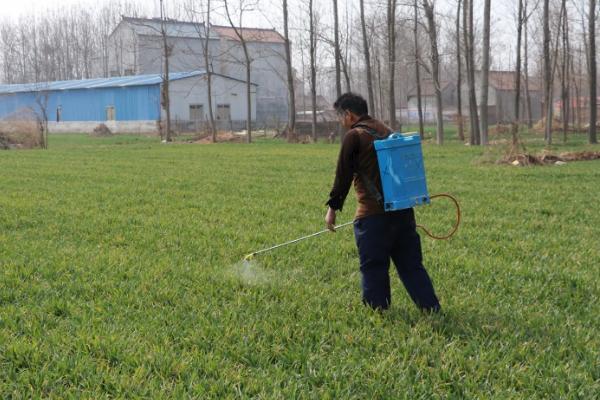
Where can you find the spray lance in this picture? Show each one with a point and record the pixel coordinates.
(402, 172)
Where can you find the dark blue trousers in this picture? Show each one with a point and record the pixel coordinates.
(392, 235)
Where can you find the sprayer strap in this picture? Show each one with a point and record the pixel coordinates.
(371, 187)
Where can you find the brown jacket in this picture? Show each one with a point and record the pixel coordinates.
(357, 163)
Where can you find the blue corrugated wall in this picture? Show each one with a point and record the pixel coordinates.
(131, 103)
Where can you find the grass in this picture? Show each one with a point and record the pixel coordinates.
(120, 277)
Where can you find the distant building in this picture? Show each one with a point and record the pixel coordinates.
(128, 104)
(501, 97)
(428, 101)
(136, 48)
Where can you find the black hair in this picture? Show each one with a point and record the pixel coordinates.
(351, 102)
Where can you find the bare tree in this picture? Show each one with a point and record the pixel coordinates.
(337, 56)
(194, 8)
(41, 112)
(461, 129)
(547, 73)
(417, 68)
(63, 43)
(515, 124)
(564, 75)
(243, 7)
(577, 84)
(550, 64)
(592, 71)
(290, 73)
(346, 59)
(367, 57)
(526, 67)
(470, 63)
(165, 100)
(209, 71)
(428, 6)
(9, 51)
(379, 82)
(313, 67)
(391, 42)
(485, 73)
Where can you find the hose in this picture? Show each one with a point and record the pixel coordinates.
(458, 216)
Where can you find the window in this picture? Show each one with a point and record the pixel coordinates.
(110, 113)
(223, 112)
(196, 112)
(59, 114)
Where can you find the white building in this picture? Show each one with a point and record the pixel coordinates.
(136, 48)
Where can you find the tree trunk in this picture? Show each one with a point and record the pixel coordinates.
(515, 125)
(346, 72)
(461, 129)
(313, 71)
(435, 68)
(338, 72)
(578, 87)
(248, 93)
(470, 62)
(290, 73)
(165, 79)
(485, 73)
(564, 76)
(526, 68)
(391, 44)
(573, 91)
(346, 60)
(248, 62)
(592, 72)
(367, 56)
(417, 70)
(553, 58)
(336, 45)
(381, 107)
(208, 68)
(547, 74)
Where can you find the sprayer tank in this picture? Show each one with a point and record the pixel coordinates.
(402, 171)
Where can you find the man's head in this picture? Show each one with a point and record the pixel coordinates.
(350, 107)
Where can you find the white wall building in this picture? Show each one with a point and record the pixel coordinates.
(137, 48)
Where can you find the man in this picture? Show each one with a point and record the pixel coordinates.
(379, 235)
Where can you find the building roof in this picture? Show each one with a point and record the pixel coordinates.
(428, 88)
(505, 80)
(116, 82)
(183, 29)
(250, 34)
(173, 28)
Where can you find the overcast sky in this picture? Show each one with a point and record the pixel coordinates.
(14, 8)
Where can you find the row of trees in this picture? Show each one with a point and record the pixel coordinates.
(445, 45)
(61, 44)
(382, 48)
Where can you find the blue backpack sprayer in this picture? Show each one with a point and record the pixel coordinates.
(403, 180)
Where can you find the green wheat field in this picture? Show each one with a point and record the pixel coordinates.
(121, 277)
